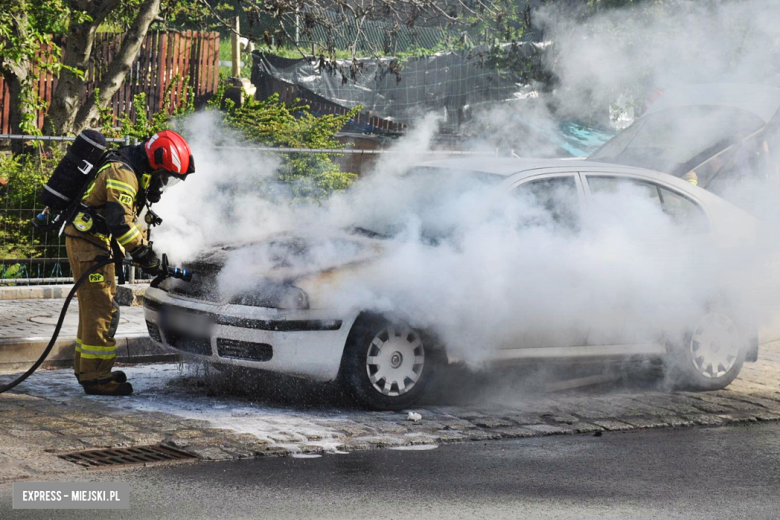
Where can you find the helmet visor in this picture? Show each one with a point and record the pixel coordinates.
(172, 181)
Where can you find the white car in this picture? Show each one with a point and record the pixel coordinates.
(386, 364)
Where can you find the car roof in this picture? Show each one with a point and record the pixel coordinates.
(522, 168)
(761, 100)
(725, 215)
(505, 166)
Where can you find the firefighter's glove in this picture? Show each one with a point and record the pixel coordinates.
(147, 260)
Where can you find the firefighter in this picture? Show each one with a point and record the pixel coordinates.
(129, 178)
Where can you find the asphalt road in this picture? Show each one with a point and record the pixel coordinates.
(726, 472)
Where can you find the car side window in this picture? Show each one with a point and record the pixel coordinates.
(684, 212)
(556, 196)
(603, 185)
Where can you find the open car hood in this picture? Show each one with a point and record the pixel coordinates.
(688, 126)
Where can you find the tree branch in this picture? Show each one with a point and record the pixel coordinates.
(120, 64)
(76, 54)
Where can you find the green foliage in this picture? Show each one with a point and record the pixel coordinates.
(275, 123)
(22, 177)
(226, 54)
(174, 14)
(520, 60)
(146, 122)
(25, 25)
(507, 21)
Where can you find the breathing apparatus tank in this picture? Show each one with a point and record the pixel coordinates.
(74, 171)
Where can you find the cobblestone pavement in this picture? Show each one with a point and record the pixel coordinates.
(48, 415)
(35, 319)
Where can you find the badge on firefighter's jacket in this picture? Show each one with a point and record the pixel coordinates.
(125, 199)
(83, 222)
(96, 278)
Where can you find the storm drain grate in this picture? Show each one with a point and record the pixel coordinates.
(94, 459)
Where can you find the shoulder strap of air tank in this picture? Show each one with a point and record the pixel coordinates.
(70, 212)
(109, 158)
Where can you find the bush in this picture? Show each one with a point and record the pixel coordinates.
(146, 123)
(22, 177)
(268, 123)
(277, 124)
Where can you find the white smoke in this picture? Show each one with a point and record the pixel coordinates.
(659, 45)
(471, 262)
(218, 203)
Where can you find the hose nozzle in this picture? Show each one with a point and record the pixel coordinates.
(181, 274)
(166, 271)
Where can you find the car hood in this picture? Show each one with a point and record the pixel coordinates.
(225, 273)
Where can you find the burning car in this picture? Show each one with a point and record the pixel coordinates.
(284, 320)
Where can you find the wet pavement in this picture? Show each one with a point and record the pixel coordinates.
(701, 473)
(222, 417)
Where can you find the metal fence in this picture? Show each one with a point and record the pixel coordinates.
(28, 256)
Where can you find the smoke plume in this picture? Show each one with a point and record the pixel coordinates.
(480, 266)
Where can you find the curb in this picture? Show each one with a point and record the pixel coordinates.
(127, 295)
(23, 352)
(34, 292)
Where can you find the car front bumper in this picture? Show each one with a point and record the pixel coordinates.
(302, 343)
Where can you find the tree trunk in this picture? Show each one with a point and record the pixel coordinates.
(14, 78)
(66, 99)
(88, 114)
(16, 73)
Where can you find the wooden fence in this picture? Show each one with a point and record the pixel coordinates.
(44, 85)
(190, 54)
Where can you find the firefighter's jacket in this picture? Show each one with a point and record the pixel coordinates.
(114, 195)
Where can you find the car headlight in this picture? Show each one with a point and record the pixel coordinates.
(274, 296)
(294, 298)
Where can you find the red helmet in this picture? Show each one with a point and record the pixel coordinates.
(168, 151)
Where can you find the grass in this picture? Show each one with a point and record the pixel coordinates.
(226, 54)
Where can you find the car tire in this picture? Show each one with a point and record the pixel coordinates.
(711, 355)
(386, 364)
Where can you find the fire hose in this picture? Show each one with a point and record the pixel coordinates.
(165, 272)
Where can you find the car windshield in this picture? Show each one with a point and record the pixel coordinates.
(678, 139)
(432, 200)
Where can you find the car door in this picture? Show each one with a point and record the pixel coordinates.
(688, 217)
(559, 198)
(677, 242)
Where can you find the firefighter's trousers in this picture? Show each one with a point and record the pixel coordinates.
(98, 313)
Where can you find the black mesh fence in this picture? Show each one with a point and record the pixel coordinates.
(28, 255)
(402, 89)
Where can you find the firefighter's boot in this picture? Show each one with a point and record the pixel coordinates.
(117, 376)
(107, 388)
